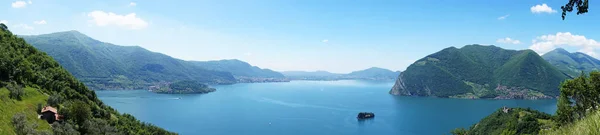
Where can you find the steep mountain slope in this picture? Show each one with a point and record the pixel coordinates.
(106, 66)
(476, 71)
(24, 67)
(572, 63)
(238, 68)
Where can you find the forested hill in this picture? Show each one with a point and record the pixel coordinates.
(572, 63)
(103, 65)
(477, 71)
(31, 76)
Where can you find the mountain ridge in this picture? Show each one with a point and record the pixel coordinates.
(478, 71)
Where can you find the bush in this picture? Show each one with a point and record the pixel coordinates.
(16, 91)
(54, 100)
(63, 129)
(19, 121)
(99, 127)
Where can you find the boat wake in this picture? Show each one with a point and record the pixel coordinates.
(273, 101)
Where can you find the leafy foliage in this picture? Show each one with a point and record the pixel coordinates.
(23, 127)
(578, 97)
(582, 7)
(25, 65)
(106, 66)
(448, 72)
(16, 91)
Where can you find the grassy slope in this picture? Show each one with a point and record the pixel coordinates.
(587, 126)
(10, 107)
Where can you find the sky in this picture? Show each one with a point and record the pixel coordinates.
(310, 35)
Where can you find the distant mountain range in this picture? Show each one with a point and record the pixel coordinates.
(242, 71)
(477, 71)
(373, 73)
(572, 64)
(103, 65)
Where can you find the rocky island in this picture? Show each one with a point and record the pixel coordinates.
(182, 87)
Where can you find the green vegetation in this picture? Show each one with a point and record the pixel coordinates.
(587, 126)
(578, 113)
(185, 87)
(40, 75)
(513, 121)
(572, 63)
(27, 107)
(102, 65)
(480, 72)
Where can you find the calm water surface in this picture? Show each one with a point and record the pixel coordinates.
(306, 107)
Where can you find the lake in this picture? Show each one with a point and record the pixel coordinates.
(307, 107)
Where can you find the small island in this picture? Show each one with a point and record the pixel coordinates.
(182, 87)
(365, 115)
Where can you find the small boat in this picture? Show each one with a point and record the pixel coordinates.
(365, 115)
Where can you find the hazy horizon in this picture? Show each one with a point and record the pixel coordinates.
(333, 36)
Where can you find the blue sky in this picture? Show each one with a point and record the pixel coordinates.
(336, 36)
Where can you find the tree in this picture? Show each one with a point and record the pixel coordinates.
(582, 7)
(99, 127)
(19, 121)
(79, 112)
(54, 100)
(16, 91)
(64, 128)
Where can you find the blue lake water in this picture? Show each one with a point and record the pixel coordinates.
(307, 107)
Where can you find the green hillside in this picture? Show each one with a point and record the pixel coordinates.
(106, 66)
(477, 71)
(572, 63)
(33, 76)
(513, 121)
(587, 126)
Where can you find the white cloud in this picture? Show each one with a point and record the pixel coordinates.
(508, 40)
(19, 4)
(503, 17)
(30, 2)
(542, 9)
(130, 21)
(324, 40)
(24, 26)
(131, 4)
(4, 21)
(546, 43)
(40, 22)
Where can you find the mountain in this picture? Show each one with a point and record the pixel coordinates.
(241, 70)
(308, 73)
(374, 73)
(572, 63)
(477, 71)
(30, 78)
(107, 66)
